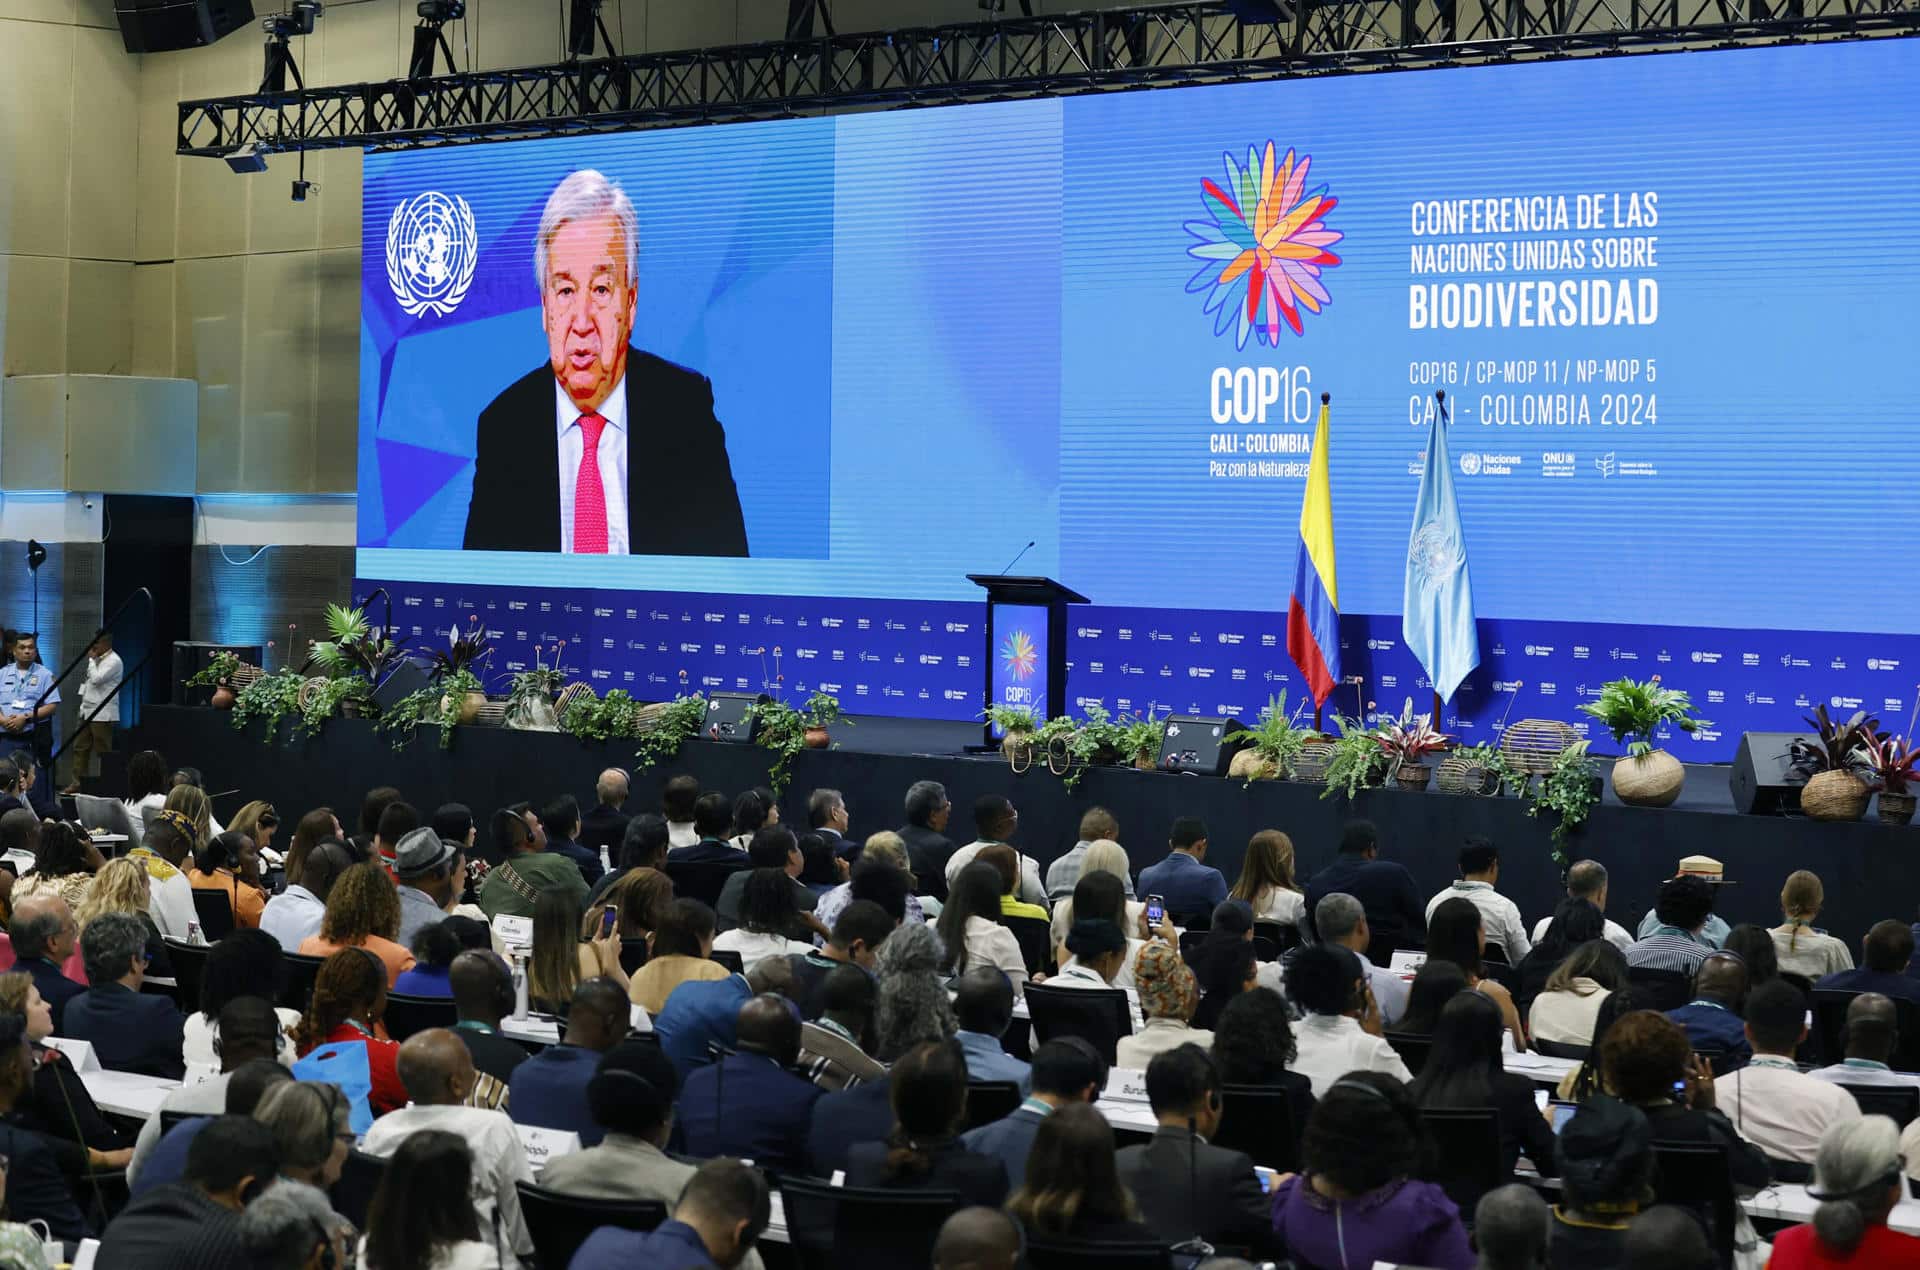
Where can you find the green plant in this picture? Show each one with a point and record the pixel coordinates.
(1275, 738)
(1891, 763)
(353, 649)
(430, 704)
(1568, 789)
(1012, 718)
(823, 711)
(1840, 746)
(1141, 736)
(1073, 745)
(324, 701)
(530, 687)
(465, 650)
(781, 729)
(1488, 756)
(594, 718)
(272, 697)
(1632, 710)
(1357, 760)
(1409, 738)
(662, 738)
(218, 672)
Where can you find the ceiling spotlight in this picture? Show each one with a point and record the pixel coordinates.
(247, 158)
(280, 28)
(429, 39)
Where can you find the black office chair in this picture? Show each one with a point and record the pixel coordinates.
(1561, 1049)
(1694, 1175)
(633, 955)
(1260, 1120)
(1467, 1152)
(988, 1101)
(189, 968)
(1412, 1049)
(1661, 990)
(728, 958)
(215, 910)
(559, 1223)
(359, 1179)
(1076, 1254)
(171, 1120)
(1189, 941)
(1285, 938)
(1100, 1016)
(1898, 1103)
(1501, 973)
(1035, 938)
(704, 880)
(1830, 1028)
(300, 975)
(836, 1226)
(407, 1014)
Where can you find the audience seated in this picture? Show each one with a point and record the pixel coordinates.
(1857, 1179)
(44, 933)
(295, 915)
(703, 1013)
(983, 1008)
(1068, 1070)
(1186, 1187)
(718, 1219)
(431, 872)
(129, 1031)
(561, 821)
(1802, 950)
(995, 820)
(1587, 880)
(1363, 1149)
(1096, 825)
(194, 1224)
(1188, 885)
(1884, 953)
(247, 963)
(643, 846)
(164, 852)
(836, 1048)
(1340, 1029)
(434, 946)
(1455, 933)
(880, 875)
(1224, 963)
(1754, 945)
(349, 996)
(1499, 916)
(549, 1089)
(373, 805)
(1434, 984)
(1605, 1157)
(1168, 996)
(642, 895)
(229, 863)
(970, 929)
(928, 1095)
(292, 1227)
(677, 799)
(249, 1031)
(1266, 882)
(1872, 1036)
(35, 1191)
(771, 847)
(1341, 919)
(562, 959)
(57, 1105)
(1572, 995)
(1104, 855)
(167, 1161)
(1667, 1237)
(828, 817)
(767, 915)
(1771, 1102)
(426, 1212)
(1713, 1018)
(1098, 953)
(526, 869)
(363, 911)
(924, 836)
(1574, 923)
(397, 819)
(1677, 941)
(311, 1123)
(482, 989)
(1072, 1188)
(1254, 1045)
(682, 949)
(1384, 888)
(1463, 1072)
(712, 818)
(123, 886)
(1644, 1057)
(631, 1096)
(749, 1104)
(453, 823)
(977, 1239)
(438, 1073)
(858, 931)
(1511, 1226)
(64, 863)
(753, 811)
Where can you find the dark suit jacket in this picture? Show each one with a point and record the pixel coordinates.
(976, 1179)
(585, 860)
(603, 826)
(928, 853)
(35, 1188)
(1008, 1140)
(861, 1114)
(55, 988)
(1219, 1200)
(1385, 890)
(681, 499)
(748, 1106)
(130, 1031)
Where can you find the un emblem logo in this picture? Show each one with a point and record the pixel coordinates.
(431, 249)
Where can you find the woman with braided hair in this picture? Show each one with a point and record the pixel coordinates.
(349, 996)
(363, 911)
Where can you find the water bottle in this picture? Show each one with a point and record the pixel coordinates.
(519, 987)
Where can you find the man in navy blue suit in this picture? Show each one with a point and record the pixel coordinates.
(861, 1114)
(43, 932)
(130, 1032)
(749, 1104)
(721, 1214)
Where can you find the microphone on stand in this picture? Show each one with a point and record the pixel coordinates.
(1017, 555)
(1194, 1246)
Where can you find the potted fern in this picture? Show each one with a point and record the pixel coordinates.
(1835, 766)
(1406, 741)
(1355, 760)
(666, 728)
(1269, 748)
(1633, 711)
(1893, 766)
(1140, 740)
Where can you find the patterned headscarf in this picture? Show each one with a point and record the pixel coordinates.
(181, 821)
(1165, 984)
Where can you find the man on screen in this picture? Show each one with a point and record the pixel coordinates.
(605, 449)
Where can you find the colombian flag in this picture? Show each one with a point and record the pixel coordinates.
(1313, 612)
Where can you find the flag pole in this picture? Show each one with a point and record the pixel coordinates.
(1446, 421)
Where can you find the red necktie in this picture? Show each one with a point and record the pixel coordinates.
(589, 496)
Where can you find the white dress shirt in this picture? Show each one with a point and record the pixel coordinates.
(991, 944)
(1032, 890)
(1781, 1109)
(755, 946)
(1499, 916)
(1278, 904)
(680, 833)
(103, 676)
(1864, 1071)
(1614, 933)
(1155, 1037)
(612, 453)
(1567, 1018)
(1331, 1045)
(199, 1034)
(498, 1162)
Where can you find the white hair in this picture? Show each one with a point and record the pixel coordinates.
(582, 195)
(1854, 1156)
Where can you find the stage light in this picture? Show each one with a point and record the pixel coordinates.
(247, 158)
(280, 29)
(583, 23)
(429, 38)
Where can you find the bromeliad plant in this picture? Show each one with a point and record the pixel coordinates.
(1410, 738)
(1841, 747)
(464, 651)
(1633, 710)
(1892, 763)
(530, 699)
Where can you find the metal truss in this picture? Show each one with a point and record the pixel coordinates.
(1199, 41)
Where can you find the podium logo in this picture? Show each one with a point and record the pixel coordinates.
(431, 249)
(1264, 247)
(1018, 656)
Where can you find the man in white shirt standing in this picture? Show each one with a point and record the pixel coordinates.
(438, 1071)
(95, 734)
(1499, 916)
(1587, 880)
(1873, 1033)
(1771, 1102)
(1340, 1029)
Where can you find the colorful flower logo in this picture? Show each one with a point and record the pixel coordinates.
(1265, 247)
(1019, 655)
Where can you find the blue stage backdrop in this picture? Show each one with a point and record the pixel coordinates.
(1666, 299)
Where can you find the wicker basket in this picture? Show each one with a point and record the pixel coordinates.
(1310, 765)
(1018, 749)
(1834, 795)
(1896, 809)
(1413, 776)
(1654, 780)
(486, 714)
(1461, 775)
(309, 688)
(1251, 765)
(571, 693)
(1531, 745)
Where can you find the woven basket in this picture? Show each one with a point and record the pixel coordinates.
(1896, 809)
(1251, 765)
(646, 718)
(1834, 795)
(1461, 775)
(309, 688)
(243, 675)
(1018, 749)
(1310, 765)
(1413, 776)
(1531, 745)
(487, 714)
(1653, 780)
(571, 693)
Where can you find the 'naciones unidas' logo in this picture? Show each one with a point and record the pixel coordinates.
(1019, 656)
(1264, 248)
(431, 250)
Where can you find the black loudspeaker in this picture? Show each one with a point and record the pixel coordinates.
(406, 678)
(191, 657)
(1198, 743)
(157, 26)
(1761, 783)
(731, 715)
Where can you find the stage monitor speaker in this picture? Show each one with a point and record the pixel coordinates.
(404, 679)
(1198, 743)
(731, 715)
(159, 26)
(191, 657)
(1762, 785)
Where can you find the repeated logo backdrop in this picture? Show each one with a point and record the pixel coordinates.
(923, 659)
